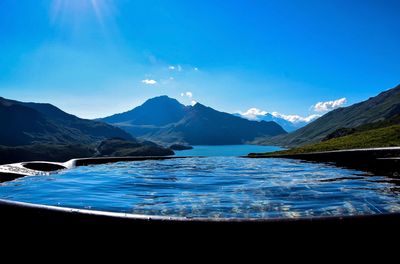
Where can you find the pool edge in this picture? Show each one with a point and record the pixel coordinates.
(30, 211)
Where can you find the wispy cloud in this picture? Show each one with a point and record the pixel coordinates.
(167, 80)
(329, 105)
(175, 68)
(149, 81)
(187, 94)
(180, 68)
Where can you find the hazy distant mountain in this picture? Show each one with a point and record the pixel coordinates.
(382, 107)
(169, 121)
(288, 126)
(285, 124)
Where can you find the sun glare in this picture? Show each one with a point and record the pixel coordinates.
(74, 9)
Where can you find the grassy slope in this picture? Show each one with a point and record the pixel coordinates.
(380, 137)
(379, 108)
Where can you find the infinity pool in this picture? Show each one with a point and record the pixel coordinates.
(213, 187)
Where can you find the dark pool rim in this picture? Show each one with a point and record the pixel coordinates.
(40, 209)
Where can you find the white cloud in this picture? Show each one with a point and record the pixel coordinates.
(257, 114)
(196, 69)
(149, 81)
(329, 105)
(296, 118)
(253, 113)
(320, 107)
(171, 68)
(193, 102)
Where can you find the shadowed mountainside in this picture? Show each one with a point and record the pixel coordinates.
(382, 107)
(205, 126)
(32, 131)
(28, 123)
(158, 111)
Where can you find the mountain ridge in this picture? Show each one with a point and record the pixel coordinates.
(378, 108)
(157, 116)
(194, 125)
(27, 123)
(37, 131)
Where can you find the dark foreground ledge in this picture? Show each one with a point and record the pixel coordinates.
(24, 223)
(380, 161)
(24, 214)
(22, 217)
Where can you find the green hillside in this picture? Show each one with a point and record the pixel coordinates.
(382, 107)
(379, 137)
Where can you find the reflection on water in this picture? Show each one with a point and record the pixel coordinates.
(213, 187)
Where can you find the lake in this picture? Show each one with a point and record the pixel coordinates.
(225, 150)
(213, 187)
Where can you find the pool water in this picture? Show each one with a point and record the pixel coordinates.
(213, 187)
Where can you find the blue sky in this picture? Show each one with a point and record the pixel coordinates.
(98, 57)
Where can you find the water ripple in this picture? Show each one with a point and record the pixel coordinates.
(213, 187)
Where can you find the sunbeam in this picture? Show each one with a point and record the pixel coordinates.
(73, 10)
(97, 9)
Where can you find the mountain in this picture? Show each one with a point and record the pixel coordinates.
(168, 121)
(32, 131)
(150, 117)
(285, 124)
(205, 126)
(382, 107)
(289, 126)
(158, 111)
(28, 123)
